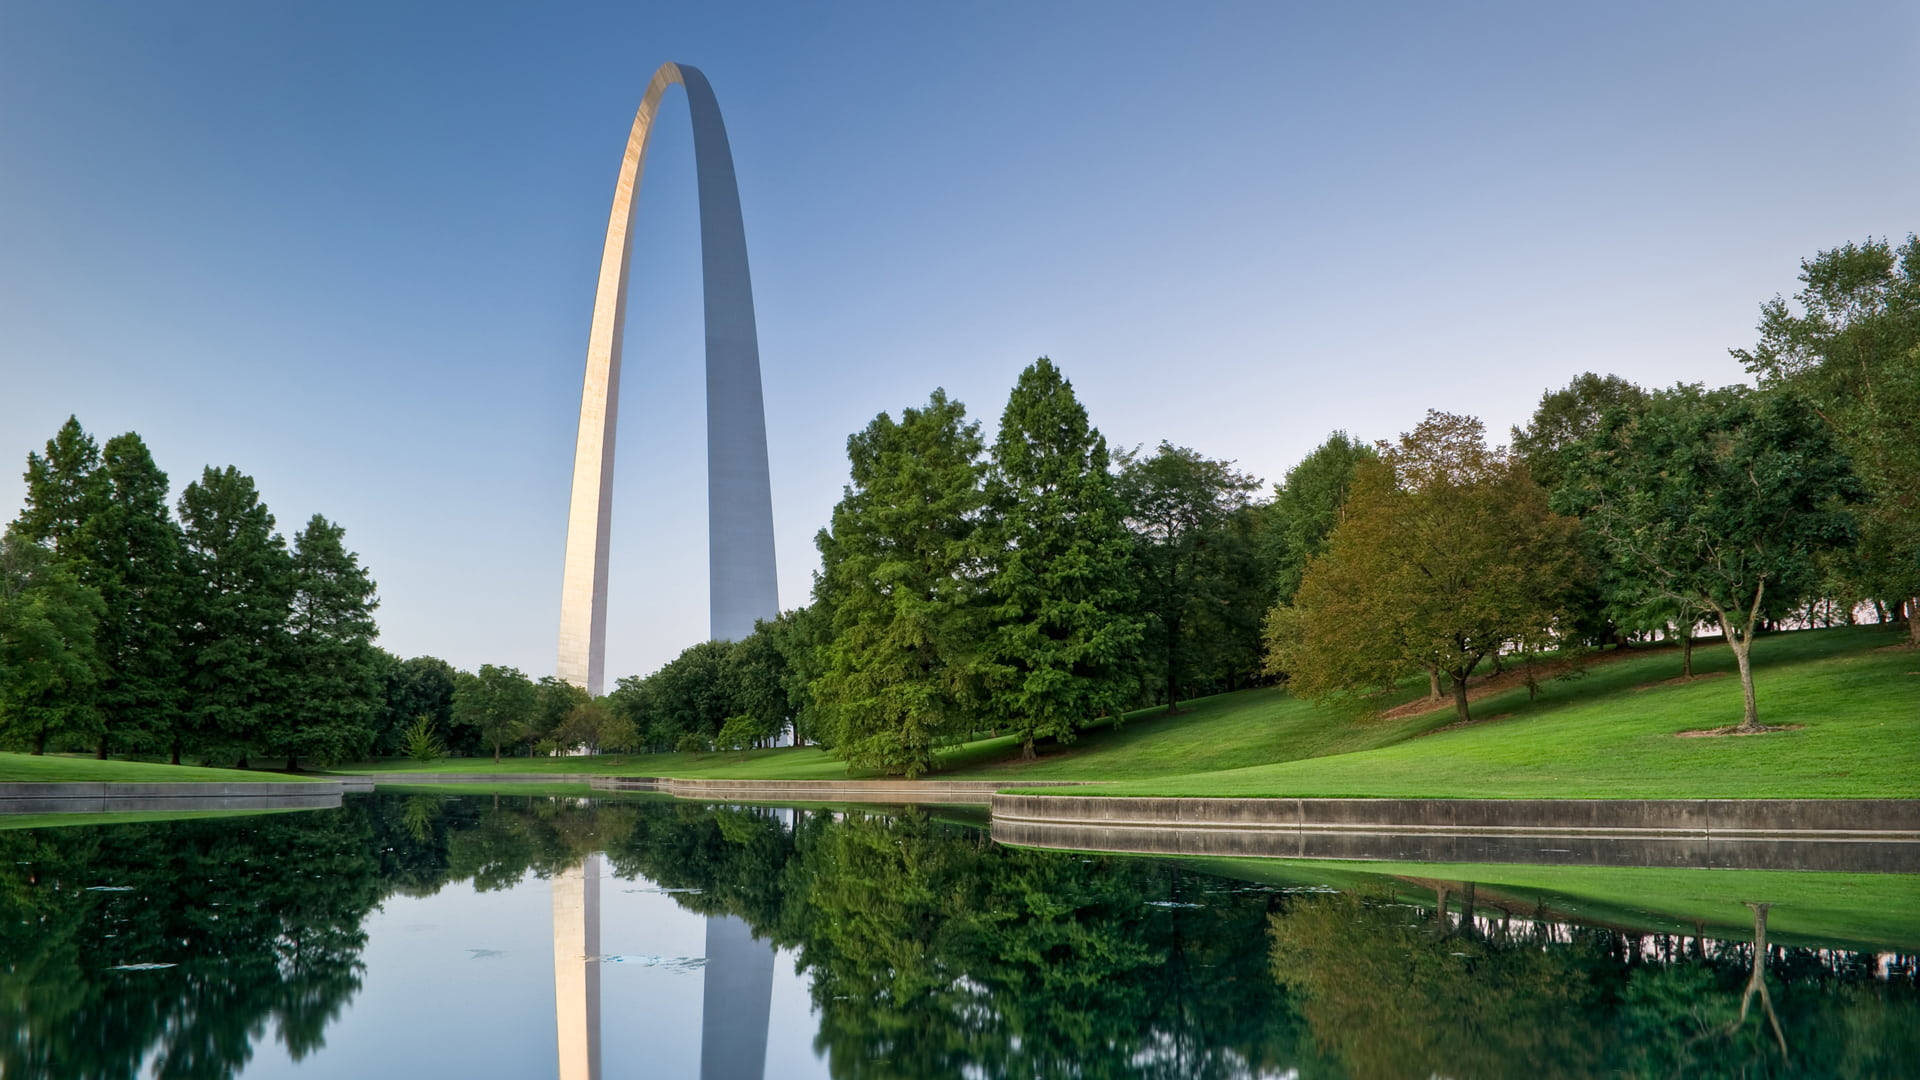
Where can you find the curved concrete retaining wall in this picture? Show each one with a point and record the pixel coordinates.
(978, 792)
(1827, 834)
(81, 798)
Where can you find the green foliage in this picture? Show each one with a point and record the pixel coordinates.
(1191, 552)
(1063, 637)
(592, 726)
(420, 742)
(49, 663)
(1852, 350)
(241, 591)
(1722, 501)
(61, 493)
(555, 699)
(900, 586)
(336, 672)
(497, 703)
(422, 685)
(1447, 555)
(1307, 505)
(131, 549)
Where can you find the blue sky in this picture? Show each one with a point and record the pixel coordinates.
(350, 248)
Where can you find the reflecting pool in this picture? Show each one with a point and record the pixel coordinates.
(513, 936)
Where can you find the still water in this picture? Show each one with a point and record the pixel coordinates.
(436, 936)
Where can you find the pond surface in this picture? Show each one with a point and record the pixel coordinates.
(438, 936)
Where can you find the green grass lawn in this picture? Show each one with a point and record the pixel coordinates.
(1860, 910)
(86, 769)
(1857, 707)
(1610, 731)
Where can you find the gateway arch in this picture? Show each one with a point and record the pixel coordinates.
(740, 563)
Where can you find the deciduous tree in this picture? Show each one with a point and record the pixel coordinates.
(1447, 553)
(1720, 500)
(497, 702)
(1852, 350)
(1179, 505)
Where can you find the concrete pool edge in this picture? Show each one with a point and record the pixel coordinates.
(101, 797)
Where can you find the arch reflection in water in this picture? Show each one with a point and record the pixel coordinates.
(736, 996)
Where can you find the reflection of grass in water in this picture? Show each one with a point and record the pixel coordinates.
(1855, 910)
(131, 817)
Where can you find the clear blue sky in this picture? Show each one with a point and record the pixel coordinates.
(350, 247)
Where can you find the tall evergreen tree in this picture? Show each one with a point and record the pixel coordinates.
(61, 492)
(48, 663)
(333, 669)
(240, 581)
(131, 548)
(900, 582)
(1062, 633)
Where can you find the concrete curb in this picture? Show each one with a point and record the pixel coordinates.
(68, 797)
(1862, 835)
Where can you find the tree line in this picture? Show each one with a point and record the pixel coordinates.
(128, 626)
(1041, 581)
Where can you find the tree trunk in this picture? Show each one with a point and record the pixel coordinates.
(1433, 683)
(1686, 656)
(1026, 751)
(40, 742)
(1913, 622)
(1743, 656)
(101, 751)
(176, 750)
(293, 763)
(496, 753)
(1460, 697)
(1499, 662)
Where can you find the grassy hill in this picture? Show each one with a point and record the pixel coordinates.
(64, 767)
(1609, 728)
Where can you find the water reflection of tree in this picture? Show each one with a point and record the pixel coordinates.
(929, 951)
(257, 922)
(1392, 991)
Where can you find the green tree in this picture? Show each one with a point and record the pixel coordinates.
(593, 726)
(1179, 507)
(900, 584)
(1610, 606)
(130, 547)
(240, 592)
(1063, 634)
(61, 492)
(1721, 500)
(801, 636)
(554, 699)
(334, 669)
(498, 703)
(760, 684)
(421, 685)
(49, 664)
(1447, 554)
(1306, 506)
(1852, 350)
